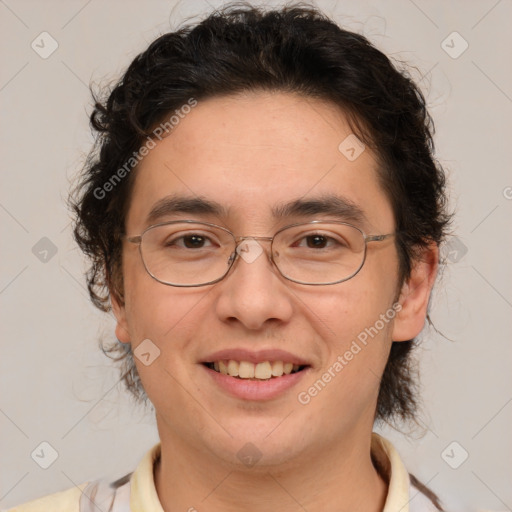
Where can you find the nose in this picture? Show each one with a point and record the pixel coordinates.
(254, 292)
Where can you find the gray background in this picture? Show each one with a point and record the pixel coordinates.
(58, 387)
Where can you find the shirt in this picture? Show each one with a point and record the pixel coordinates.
(137, 492)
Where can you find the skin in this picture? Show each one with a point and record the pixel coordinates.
(250, 152)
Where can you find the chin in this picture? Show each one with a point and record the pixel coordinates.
(265, 445)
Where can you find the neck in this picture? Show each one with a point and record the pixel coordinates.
(342, 479)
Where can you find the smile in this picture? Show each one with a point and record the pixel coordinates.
(264, 370)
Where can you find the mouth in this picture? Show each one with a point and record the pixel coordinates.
(260, 371)
(263, 375)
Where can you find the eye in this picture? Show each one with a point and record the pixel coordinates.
(317, 241)
(321, 241)
(188, 241)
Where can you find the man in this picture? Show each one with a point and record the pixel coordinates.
(263, 216)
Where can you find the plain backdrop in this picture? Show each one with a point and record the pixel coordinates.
(56, 385)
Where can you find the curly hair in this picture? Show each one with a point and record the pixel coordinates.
(295, 49)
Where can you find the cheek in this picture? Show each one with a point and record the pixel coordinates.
(152, 308)
(162, 313)
(359, 317)
(345, 389)
(163, 323)
(354, 306)
(362, 338)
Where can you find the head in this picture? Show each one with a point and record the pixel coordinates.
(249, 109)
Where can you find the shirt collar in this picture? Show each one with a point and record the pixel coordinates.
(143, 495)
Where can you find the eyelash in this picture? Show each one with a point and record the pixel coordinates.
(204, 237)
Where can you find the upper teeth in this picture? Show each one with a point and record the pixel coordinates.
(246, 370)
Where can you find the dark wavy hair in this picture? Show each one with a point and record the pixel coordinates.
(238, 48)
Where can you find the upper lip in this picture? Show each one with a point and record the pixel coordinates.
(240, 354)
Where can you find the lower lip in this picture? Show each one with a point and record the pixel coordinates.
(247, 389)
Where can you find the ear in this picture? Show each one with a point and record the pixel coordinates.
(119, 310)
(415, 295)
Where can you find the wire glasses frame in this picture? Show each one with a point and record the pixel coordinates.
(138, 239)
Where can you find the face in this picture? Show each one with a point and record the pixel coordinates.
(250, 153)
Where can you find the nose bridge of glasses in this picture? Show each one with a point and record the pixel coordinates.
(250, 254)
(239, 239)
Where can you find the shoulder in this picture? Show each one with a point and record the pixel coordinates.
(64, 501)
(98, 495)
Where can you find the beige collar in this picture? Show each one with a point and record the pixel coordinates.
(143, 496)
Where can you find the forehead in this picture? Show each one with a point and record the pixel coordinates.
(254, 153)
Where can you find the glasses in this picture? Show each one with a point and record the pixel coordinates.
(192, 253)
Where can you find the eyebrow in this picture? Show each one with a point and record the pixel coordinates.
(328, 204)
(181, 204)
